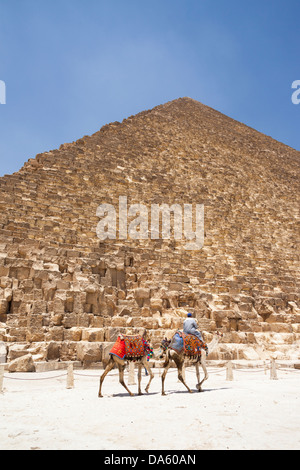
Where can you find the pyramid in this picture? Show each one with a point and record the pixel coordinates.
(66, 294)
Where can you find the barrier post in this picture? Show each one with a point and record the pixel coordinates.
(131, 376)
(229, 373)
(273, 372)
(70, 376)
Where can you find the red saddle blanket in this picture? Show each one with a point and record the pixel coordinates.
(192, 345)
(129, 347)
(118, 348)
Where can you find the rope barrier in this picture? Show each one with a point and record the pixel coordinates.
(88, 375)
(36, 378)
(288, 370)
(272, 366)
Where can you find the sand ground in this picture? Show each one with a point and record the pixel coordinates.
(251, 412)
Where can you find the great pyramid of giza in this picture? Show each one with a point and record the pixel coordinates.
(66, 294)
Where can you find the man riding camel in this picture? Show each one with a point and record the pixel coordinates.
(190, 327)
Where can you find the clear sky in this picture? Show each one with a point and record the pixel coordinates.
(71, 66)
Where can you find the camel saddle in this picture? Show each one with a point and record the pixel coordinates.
(190, 344)
(131, 348)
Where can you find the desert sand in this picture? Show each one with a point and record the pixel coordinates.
(251, 412)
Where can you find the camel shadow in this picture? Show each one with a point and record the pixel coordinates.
(169, 392)
(196, 392)
(134, 394)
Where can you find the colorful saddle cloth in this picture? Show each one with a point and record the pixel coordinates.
(118, 348)
(131, 348)
(189, 343)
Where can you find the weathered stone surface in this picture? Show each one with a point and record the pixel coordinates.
(61, 287)
(22, 364)
(89, 352)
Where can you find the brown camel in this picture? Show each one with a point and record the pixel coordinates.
(121, 363)
(179, 357)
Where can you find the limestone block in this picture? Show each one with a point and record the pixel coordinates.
(97, 321)
(166, 322)
(33, 336)
(296, 327)
(118, 321)
(219, 315)
(17, 350)
(39, 306)
(55, 333)
(89, 352)
(281, 327)
(22, 364)
(57, 319)
(53, 351)
(249, 354)
(73, 334)
(70, 320)
(3, 306)
(156, 304)
(5, 281)
(175, 286)
(129, 321)
(93, 334)
(51, 267)
(145, 311)
(18, 334)
(68, 351)
(2, 333)
(35, 321)
(142, 293)
(38, 350)
(111, 334)
(85, 319)
(4, 271)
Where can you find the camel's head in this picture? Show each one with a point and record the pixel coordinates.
(163, 347)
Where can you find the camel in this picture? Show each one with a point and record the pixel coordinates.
(178, 358)
(121, 364)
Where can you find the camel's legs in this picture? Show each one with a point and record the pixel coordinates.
(198, 375)
(121, 378)
(109, 367)
(203, 364)
(163, 376)
(180, 376)
(148, 369)
(139, 377)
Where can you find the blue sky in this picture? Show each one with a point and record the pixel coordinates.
(71, 66)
